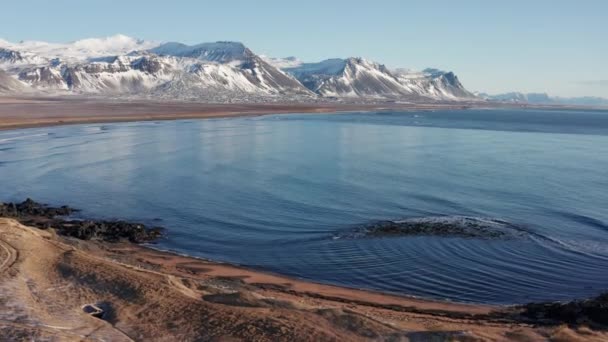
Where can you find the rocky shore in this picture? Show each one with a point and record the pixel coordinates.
(591, 312)
(34, 214)
(122, 291)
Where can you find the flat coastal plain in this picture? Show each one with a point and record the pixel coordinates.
(22, 112)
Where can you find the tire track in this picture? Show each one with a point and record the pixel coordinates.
(9, 256)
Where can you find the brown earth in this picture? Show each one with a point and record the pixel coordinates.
(50, 111)
(38, 111)
(147, 295)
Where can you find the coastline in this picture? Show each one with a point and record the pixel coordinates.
(92, 279)
(16, 113)
(275, 305)
(30, 112)
(47, 280)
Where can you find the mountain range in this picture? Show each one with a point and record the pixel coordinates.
(544, 99)
(226, 72)
(219, 71)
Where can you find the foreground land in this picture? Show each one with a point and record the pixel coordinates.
(47, 281)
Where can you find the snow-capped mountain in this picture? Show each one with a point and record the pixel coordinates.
(35, 52)
(360, 78)
(253, 70)
(220, 52)
(434, 83)
(121, 74)
(517, 97)
(121, 65)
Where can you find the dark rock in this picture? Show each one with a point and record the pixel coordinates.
(30, 207)
(41, 216)
(112, 231)
(592, 311)
(449, 226)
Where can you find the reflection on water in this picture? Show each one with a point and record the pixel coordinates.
(271, 192)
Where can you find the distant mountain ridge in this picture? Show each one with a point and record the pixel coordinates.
(544, 98)
(219, 71)
(361, 78)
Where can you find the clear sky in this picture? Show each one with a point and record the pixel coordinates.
(559, 46)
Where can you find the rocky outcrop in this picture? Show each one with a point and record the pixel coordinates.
(31, 213)
(592, 312)
(10, 56)
(31, 208)
(448, 226)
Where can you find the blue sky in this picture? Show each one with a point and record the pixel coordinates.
(557, 46)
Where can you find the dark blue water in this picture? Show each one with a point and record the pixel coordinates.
(271, 192)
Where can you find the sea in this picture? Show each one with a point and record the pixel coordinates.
(281, 193)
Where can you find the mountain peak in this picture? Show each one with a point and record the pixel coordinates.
(360, 77)
(123, 64)
(357, 60)
(221, 51)
(434, 72)
(81, 49)
(365, 63)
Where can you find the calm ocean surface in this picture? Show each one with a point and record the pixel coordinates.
(271, 192)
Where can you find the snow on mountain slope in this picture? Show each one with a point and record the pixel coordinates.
(221, 52)
(360, 78)
(125, 65)
(10, 58)
(221, 67)
(79, 50)
(9, 85)
(433, 83)
(120, 75)
(353, 77)
(256, 71)
(312, 75)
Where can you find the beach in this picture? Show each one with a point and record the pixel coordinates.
(153, 295)
(24, 112)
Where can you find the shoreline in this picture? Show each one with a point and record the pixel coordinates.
(99, 272)
(215, 301)
(32, 112)
(17, 113)
(107, 288)
(125, 278)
